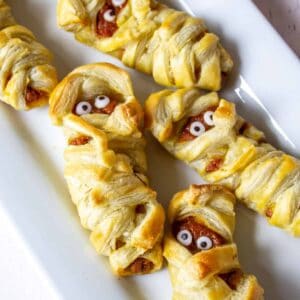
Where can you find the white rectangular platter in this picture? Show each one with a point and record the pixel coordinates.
(33, 193)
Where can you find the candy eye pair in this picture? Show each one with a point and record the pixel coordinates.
(85, 107)
(185, 237)
(110, 14)
(197, 128)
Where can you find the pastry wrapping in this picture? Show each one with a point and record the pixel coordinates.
(105, 166)
(174, 47)
(205, 132)
(199, 248)
(27, 76)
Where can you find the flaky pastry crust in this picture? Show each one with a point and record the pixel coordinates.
(174, 47)
(212, 272)
(105, 167)
(27, 76)
(228, 151)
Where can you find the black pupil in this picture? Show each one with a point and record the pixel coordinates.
(85, 107)
(102, 98)
(184, 236)
(203, 244)
(197, 128)
(112, 13)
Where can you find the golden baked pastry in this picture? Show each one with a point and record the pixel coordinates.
(206, 132)
(27, 76)
(175, 48)
(202, 257)
(105, 166)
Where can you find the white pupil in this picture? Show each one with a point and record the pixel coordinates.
(204, 243)
(118, 2)
(184, 237)
(109, 15)
(83, 108)
(208, 118)
(101, 101)
(197, 128)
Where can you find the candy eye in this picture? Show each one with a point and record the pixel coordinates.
(197, 128)
(184, 237)
(204, 243)
(83, 108)
(101, 101)
(208, 118)
(109, 15)
(118, 2)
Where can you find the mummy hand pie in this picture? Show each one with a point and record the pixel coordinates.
(205, 132)
(175, 48)
(27, 76)
(202, 257)
(105, 167)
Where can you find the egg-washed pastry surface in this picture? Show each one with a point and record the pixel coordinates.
(175, 48)
(205, 132)
(199, 248)
(26, 74)
(105, 167)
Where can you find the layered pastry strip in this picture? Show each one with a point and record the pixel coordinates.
(105, 167)
(175, 48)
(205, 132)
(26, 74)
(199, 248)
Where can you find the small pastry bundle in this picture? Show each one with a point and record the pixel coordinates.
(105, 166)
(27, 76)
(205, 132)
(202, 257)
(175, 48)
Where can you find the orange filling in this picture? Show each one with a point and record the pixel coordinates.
(269, 211)
(140, 265)
(32, 95)
(79, 141)
(105, 28)
(214, 165)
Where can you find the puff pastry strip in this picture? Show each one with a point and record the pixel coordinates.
(26, 74)
(105, 167)
(206, 132)
(202, 257)
(177, 49)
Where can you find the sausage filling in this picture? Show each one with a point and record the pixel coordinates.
(32, 95)
(195, 236)
(90, 107)
(107, 19)
(140, 265)
(79, 141)
(214, 165)
(197, 125)
(232, 278)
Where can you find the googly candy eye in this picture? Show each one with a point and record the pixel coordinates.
(118, 2)
(204, 243)
(109, 15)
(101, 101)
(197, 128)
(83, 108)
(208, 118)
(184, 237)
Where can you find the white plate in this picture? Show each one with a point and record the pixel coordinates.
(33, 193)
